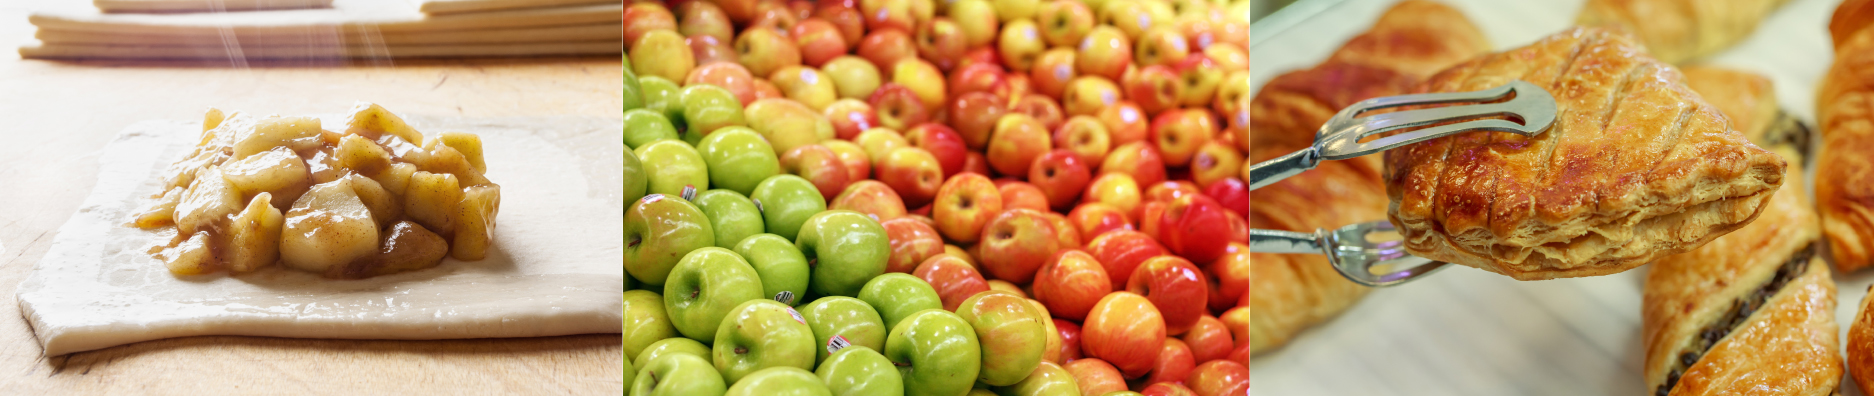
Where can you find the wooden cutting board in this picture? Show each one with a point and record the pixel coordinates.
(57, 116)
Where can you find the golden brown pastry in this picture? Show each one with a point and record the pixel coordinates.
(1749, 101)
(1844, 171)
(1749, 312)
(1635, 168)
(1680, 30)
(1861, 346)
(1409, 42)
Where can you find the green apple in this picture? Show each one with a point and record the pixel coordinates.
(898, 296)
(708, 107)
(780, 381)
(645, 321)
(760, 334)
(936, 353)
(672, 165)
(659, 230)
(782, 268)
(679, 375)
(1013, 336)
(786, 201)
(635, 181)
(845, 249)
(1048, 379)
(738, 159)
(851, 319)
(670, 346)
(704, 287)
(859, 371)
(630, 373)
(643, 126)
(732, 215)
(660, 95)
(634, 98)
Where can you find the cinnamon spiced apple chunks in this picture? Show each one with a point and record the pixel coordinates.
(375, 199)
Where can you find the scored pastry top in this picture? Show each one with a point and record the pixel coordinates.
(1636, 167)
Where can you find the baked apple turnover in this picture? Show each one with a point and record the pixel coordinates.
(374, 198)
(1636, 167)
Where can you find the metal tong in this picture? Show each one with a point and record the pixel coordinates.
(1357, 250)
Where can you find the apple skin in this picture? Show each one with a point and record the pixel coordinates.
(974, 162)
(641, 18)
(660, 95)
(1016, 243)
(923, 79)
(710, 50)
(1140, 159)
(741, 158)
(819, 41)
(662, 53)
(1052, 71)
(1189, 228)
(1105, 51)
(964, 204)
(978, 21)
(1174, 363)
(1161, 45)
(912, 172)
(766, 90)
(1181, 133)
(1209, 339)
(1176, 287)
(786, 202)
(678, 375)
(858, 163)
(942, 42)
(1115, 189)
(974, 115)
(1048, 379)
(781, 266)
(761, 334)
(1020, 195)
(1002, 285)
(912, 242)
(1093, 218)
(853, 77)
(850, 117)
(887, 14)
(779, 381)
(885, 47)
(954, 279)
(1121, 252)
(1042, 108)
(860, 371)
(1215, 162)
(675, 345)
(898, 106)
(806, 85)
(1061, 175)
(765, 50)
(1064, 23)
(787, 124)
(1064, 230)
(1020, 44)
(847, 317)
(643, 126)
(1070, 340)
(845, 249)
(707, 108)
(1051, 352)
(1089, 95)
(846, 16)
(659, 231)
(878, 142)
(1201, 77)
(1232, 275)
(1154, 88)
(635, 180)
(936, 353)
(646, 323)
(1125, 123)
(974, 77)
(898, 296)
(1013, 336)
(705, 287)
(1131, 17)
(1219, 378)
(731, 215)
(1228, 57)
(1126, 330)
(872, 198)
(631, 374)
(820, 165)
(727, 75)
(1095, 376)
(1166, 389)
(1071, 283)
(633, 93)
(943, 143)
(1017, 140)
(704, 18)
(1231, 95)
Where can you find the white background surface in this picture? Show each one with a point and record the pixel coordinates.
(1464, 331)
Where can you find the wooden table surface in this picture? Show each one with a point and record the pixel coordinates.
(56, 116)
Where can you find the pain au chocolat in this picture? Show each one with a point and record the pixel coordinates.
(1636, 167)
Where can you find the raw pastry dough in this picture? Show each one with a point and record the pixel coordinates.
(1635, 168)
(553, 270)
(1679, 30)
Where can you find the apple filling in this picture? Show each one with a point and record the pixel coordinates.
(377, 198)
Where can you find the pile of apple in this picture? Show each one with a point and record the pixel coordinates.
(936, 197)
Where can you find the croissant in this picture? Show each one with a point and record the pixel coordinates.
(1294, 291)
(1680, 30)
(1636, 167)
(1844, 172)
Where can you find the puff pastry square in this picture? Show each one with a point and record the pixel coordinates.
(1636, 167)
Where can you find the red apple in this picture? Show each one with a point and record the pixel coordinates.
(858, 164)
(1094, 218)
(1174, 363)
(1176, 287)
(1105, 51)
(851, 116)
(1085, 137)
(1149, 214)
(1232, 274)
(728, 75)
(774, 15)
(702, 18)
(998, 284)
(764, 50)
(1232, 193)
(1016, 243)
(1061, 176)
(1190, 228)
(765, 90)
(1214, 162)
(965, 203)
(819, 165)
(975, 115)
(954, 278)
(898, 107)
(942, 142)
(1042, 108)
(1169, 190)
(941, 42)
(1017, 140)
(1228, 56)
(1166, 389)
(847, 18)
(1155, 89)
(1064, 230)
(1241, 354)
(1020, 44)
(1209, 339)
(1125, 122)
(872, 198)
(1179, 134)
(641, 18)
(1020, 195)
(1088, 95)
(911, 243)
(1162, 45)
(1013, 87)
(1064, 23)
(885, 47)
(975, 163)
(1070, 339)
(1219, 378)
(709, 49)
(912, 172)
(1201, 77)
(1121, 252)
(1126, 330)
(819, 41)
(923, 79)
(1071, 283)
(974, 77)
(1095, 376)
(740, 11)
(1140, 160)
(1052, 72)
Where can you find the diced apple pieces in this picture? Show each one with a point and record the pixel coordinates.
(385, 207)
(160, 213)
(212, 119)
(278, 171)
(475, 222)
(395, 178)
(431, 200)
(370, 120)
(297, 133)
(324, 166)
(192, 257)
(445, 159)
(327, 227)
(362, 155)
(469, 144)
(403, 150)
(254, 235)
(209, 201)
(407, 247)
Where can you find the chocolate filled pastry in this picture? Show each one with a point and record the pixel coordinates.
(1680, 30)
(1750, 312)
(1636, 167)
(1844, 172)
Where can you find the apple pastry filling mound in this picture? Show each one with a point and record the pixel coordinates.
(376, 197)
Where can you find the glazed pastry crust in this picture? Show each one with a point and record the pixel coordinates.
(1635, 168)
(1861, 347)
(1679, 30)
(1844, 171)
(1789, 345)
(1747, 99)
